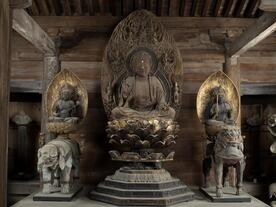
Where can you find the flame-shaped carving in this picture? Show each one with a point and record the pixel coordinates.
(63, 79)
(204, 96)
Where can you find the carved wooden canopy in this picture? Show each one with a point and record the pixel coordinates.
(204, 96)
(141, 30)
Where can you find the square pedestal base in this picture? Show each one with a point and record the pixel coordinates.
(229, 195)
(57, 196)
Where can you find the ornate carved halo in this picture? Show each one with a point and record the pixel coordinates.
(154, 67)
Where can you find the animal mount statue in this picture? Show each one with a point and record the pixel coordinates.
(66, 104)
(59, 165)
(140, 93)
(218, 109)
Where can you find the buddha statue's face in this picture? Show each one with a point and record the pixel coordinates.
(66, 93)
(220, 94)
(141, 64)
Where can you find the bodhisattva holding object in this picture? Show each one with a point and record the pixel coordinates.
(142, 95)
(66, 108)
(218, 109)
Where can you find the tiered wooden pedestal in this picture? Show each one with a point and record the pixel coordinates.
(128, 187)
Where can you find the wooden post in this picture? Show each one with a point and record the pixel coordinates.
(50, 69)
(232, 70)
(5, 32)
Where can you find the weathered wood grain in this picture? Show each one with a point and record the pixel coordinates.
(50, 68)
(29, 29)
(268, 5)
(20, 4)
(5, 31)
(254, 34)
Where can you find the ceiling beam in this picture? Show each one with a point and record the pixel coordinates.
(20, 4)
(258, 31)
(268, 5)
(31, 31)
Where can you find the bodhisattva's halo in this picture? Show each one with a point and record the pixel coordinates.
(154, 67)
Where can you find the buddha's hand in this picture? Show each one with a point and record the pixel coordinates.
(163, 107)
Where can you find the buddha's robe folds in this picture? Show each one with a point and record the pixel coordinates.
(142, 98)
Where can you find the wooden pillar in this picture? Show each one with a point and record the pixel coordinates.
(232, 69)
(5, 32)
(51, 68)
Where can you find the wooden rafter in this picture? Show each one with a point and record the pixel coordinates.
(230, 8)
(254, 34)
(43, 7)
(116, 7)
(241, 8)
(185, 6)
(66, 7)
(78, 7)
(151, 5)
(253, 7)
(139, 4)
(127, 7)
(206, 8)
(174, 8)
(31, 31)
(52, 8)
(194, 9)
(219, 8)
(90, 7)
(34, 8)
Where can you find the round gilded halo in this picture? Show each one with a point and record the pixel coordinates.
(154, 67)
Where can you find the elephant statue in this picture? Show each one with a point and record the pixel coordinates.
(225, 151)
(58, 160)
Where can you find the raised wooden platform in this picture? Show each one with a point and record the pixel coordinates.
(82, 200)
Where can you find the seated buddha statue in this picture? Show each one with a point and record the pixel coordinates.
(142, 95)
(66, 107)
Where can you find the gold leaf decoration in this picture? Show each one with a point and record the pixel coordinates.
(217, 79)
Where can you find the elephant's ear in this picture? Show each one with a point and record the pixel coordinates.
(61, 160)
(69, 162)
(39, 162)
